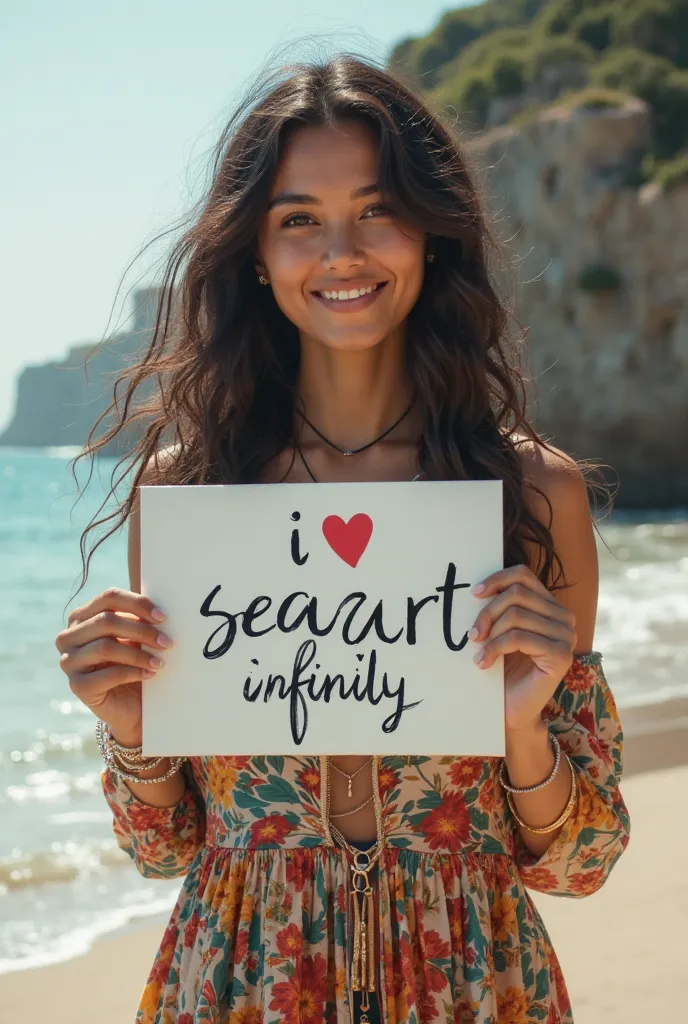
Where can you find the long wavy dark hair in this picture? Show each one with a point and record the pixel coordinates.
(220, 371)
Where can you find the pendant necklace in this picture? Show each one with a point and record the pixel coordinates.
(350, 778)
(314, 478)
(364, 447)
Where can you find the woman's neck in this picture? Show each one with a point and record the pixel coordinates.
(352, 397)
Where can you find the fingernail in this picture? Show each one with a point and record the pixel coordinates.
(158, 614)
(147, 673)
(478, 588)
(164, 640)
(473, 633)
(479, 657)
(155, 662)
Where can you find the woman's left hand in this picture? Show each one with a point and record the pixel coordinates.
(535, 633)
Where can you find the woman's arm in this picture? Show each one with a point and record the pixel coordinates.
(540, 633)
(162, 794)
(530, 758)
(160, 825)
(583, 715)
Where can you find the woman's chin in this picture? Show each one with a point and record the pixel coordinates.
(352, 341)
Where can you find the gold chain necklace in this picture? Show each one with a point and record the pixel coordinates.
(340, 771)
(354, 810)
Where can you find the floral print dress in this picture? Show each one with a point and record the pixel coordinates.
(260, 932)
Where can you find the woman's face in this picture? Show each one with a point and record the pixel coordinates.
(328, 239)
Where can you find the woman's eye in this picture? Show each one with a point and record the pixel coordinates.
(297, 220)
(378, 210)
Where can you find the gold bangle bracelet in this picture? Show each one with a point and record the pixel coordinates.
(564, 816)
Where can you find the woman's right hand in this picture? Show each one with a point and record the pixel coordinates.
(103, 661)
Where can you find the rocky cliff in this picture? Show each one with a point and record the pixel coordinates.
(58, 403)
(602, 289)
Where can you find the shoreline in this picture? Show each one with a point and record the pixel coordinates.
(655, 736)
(111, 973)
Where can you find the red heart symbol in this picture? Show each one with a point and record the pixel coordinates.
(348, 540)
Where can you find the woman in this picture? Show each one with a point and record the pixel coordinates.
(334, 321)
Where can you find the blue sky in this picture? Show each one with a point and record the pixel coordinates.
(110, 112)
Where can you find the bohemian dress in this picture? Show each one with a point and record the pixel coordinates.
(260, 931)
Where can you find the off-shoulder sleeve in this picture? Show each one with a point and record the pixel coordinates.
(583, 714)
(162, 841)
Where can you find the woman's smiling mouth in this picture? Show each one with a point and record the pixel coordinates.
(349, 300)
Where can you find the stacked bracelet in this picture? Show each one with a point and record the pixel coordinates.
(533, 789)
(564, 816)
(131, 759)
(566, 813)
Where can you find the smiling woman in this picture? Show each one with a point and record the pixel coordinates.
(330, 315)
(333, 249)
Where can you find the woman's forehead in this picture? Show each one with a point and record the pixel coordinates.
(320, 158)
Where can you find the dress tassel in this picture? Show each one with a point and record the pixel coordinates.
(363, 922)
(356, 958)
(371, 932)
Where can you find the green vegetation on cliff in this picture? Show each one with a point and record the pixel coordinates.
(505, 59)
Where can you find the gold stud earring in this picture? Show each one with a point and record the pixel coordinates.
(263, 279)
(430, 257)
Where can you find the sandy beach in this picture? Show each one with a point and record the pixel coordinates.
(620, 949)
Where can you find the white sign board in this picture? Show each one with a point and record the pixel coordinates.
(321, 618)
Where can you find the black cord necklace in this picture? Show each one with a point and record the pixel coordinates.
(315, 480)
(305, 464)
(364, 447)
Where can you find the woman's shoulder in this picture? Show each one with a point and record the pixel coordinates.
(549, 472)
(158, 464)
(557, 495)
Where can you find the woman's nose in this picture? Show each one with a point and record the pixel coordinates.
(342, 248)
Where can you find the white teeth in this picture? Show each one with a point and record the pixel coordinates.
(353, 293)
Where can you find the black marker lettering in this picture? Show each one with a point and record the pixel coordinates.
(376, 620)
(309, 679)
(252, 695)
(296, 555)
(253, 612)
(297, 702)
(286, 607)
(359, 598)
(412, 609)
(272, 682)
(391, 723)
(324, 630)
(447, 590)
(229, 624)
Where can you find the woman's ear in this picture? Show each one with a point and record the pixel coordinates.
(261, 272)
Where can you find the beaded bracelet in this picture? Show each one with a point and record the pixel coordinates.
(563, 817)
(533, 789)
(133, 754)
(110, 749)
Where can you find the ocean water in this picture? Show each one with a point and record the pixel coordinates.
(62, 879)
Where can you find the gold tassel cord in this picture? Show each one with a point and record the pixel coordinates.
(363, 914)
(371, 930)
(356, 959)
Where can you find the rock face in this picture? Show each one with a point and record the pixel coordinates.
(610, 365)
(58, 403)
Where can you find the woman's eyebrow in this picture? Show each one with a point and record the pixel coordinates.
(303, 199)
